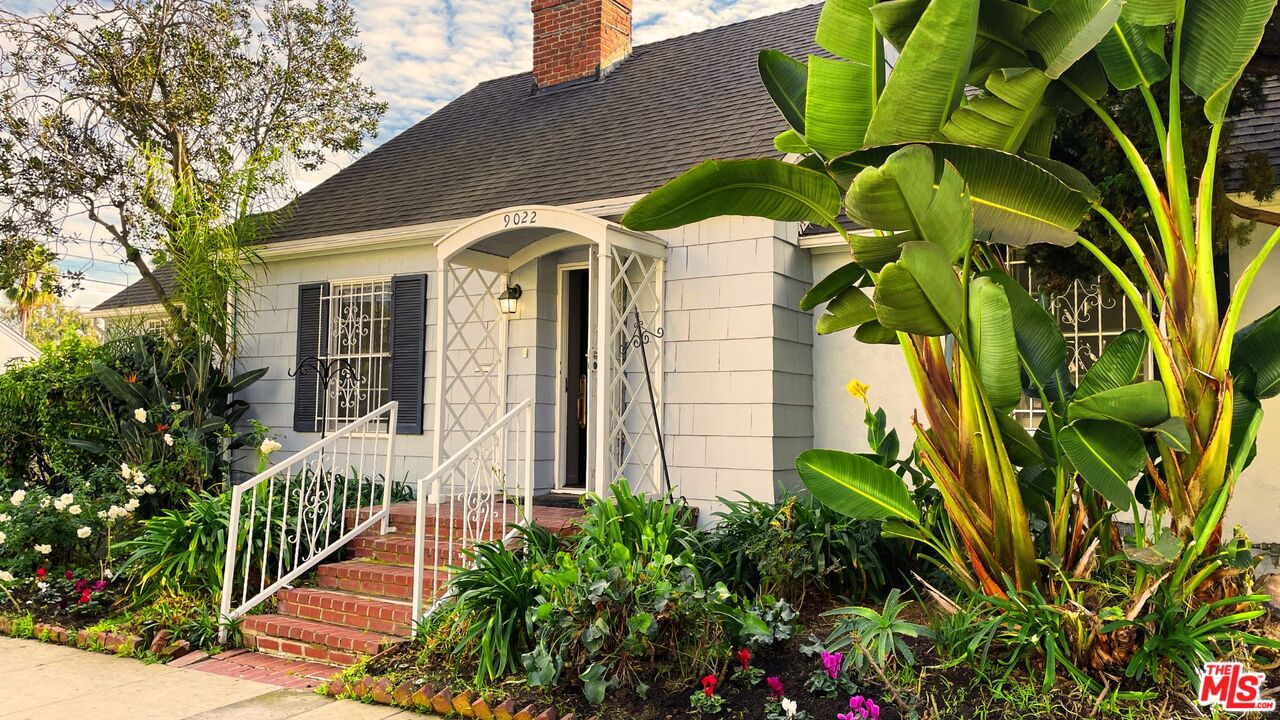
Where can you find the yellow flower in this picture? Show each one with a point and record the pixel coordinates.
(858, 389)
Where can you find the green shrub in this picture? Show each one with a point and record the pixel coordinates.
(797, 546)
(43, 403)
(493, 596)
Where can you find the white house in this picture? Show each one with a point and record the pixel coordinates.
(513, 190)
(14, 347)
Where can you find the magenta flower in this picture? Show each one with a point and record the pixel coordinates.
(832, 663)
(861, 708)
(775, 687)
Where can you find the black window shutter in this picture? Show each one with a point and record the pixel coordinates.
(408, 349)
(313, 340)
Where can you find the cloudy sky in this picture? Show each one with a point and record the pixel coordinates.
(424, 53)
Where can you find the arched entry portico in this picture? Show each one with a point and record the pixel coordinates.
(475, 263)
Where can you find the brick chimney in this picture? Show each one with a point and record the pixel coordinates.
(578, 39)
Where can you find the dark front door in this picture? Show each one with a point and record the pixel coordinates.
(578, 317)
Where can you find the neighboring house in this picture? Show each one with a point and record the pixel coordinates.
(14, 347)
(396, 264)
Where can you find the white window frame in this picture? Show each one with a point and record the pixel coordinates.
(343, 402)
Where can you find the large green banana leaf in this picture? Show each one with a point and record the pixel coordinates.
(901, 304)
(1256, 347)
(838, 281)
(1150, 12)
(759, 188)
(1003, 117)
(994, 344)
(850, 308)
(1142, 405)
(1069, 30)
(1129, 57)
(998, 42)
(907, 193)
(855, 486)
(1015, 201)
(1108, 455)
(1117, 366)
(838, 106)
(1219, 37)
(1041, 345)
(928, 81)
(847, 30)
(785, 79)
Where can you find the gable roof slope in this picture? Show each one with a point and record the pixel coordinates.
(666, 108)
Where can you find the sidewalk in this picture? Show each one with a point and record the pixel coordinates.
(42, 681)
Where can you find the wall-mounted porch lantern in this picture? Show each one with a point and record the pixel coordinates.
(508, 300)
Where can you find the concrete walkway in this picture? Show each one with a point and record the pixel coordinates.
(42, 681)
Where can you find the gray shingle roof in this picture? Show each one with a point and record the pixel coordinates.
(1259, 130)
(667, 107)
(139, 293)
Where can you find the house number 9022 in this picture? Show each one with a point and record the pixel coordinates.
(520, 217)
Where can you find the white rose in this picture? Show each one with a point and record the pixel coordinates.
(269, 446)
(18, 496)
(138, 477)
(74, 509)
(168, 439)
(6, 576)
(104, 515)
(140, 415)
(59, 505)
(131, 505)
(3, 537)
(83, 533)
(43, 549)
(4, 518)
(149, 489)
(67, 498)
(126, 472)
(44, 502)
(175, 407)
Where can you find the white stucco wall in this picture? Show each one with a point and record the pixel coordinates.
(839, 358)
(1256, 505)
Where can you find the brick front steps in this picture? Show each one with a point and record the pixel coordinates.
(362, 605)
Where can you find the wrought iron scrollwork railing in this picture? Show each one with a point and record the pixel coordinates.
(473, 497)
(290, 517)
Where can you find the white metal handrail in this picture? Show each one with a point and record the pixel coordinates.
(297, 514)
(471, 492)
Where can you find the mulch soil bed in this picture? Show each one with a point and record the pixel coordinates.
(945, 692)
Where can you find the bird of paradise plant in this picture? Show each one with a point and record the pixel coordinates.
(938, 181)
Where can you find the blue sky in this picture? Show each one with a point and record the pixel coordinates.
(424, 53)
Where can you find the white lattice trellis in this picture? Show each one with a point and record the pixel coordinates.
(631, 284)
(470, 359)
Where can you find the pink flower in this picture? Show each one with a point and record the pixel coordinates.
(832, 663)
(100, 585)
(861, 708)
(69, 575)
(709, 685)
(775, 687)
(744, 658)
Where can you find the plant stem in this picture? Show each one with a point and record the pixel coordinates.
(893, 689)
(1168, 377)
(1222, 355)
(1130, 242)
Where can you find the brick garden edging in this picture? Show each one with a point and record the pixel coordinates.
(118, 643)
(425, 698)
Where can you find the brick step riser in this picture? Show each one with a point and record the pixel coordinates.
(286, 648)
(390, 586)
(284, 629)
(398, 625)
(398, 550)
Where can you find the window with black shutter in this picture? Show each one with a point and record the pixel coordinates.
(370, 332)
